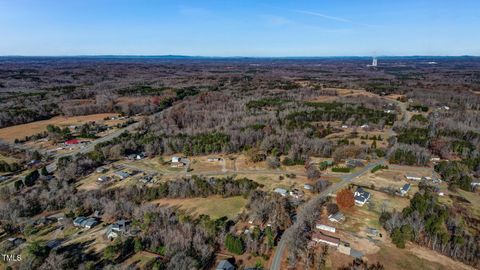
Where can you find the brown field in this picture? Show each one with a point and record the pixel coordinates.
(20, 131)
(8, 159)
(414, 257)
(214, 206)
(200, 163)
(386, 178)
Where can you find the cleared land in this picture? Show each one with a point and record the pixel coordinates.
(9, 134)
(214, 206)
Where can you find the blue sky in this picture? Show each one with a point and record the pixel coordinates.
(240, 27)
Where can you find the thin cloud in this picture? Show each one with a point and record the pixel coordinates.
(332, 18)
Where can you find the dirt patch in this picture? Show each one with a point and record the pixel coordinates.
(433, 256)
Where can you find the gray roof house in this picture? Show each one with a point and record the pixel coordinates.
(337, 217)
(225, 265)
(405, 189)
(85, 222)
(78, 221)
(90, 223)
(116, 229)
(122, 175)
(361, 196)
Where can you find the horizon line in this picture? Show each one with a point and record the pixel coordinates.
(233, 56)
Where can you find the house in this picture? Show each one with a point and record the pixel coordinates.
(415, 178)
(337, 217)
(122, 175)
(405, 189)
(101, 169)
(90, 223)
(361, 196)
(118, 228)
(15, 241)
(353, 163)
(103, 178)
(54, 244)
(307, 186)
(84, 222)
(225, 265)
(364, 126)
(324, 227)
(322, 238)
(177, 162)
(281, 191)
(475, 184)
(78, 221)
(344, 126)
(372, 232)
(213, 159)
(72, 142)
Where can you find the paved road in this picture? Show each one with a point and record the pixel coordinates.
(91, 146)
(346, 179)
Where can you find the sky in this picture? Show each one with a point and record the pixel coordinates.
(239, 27)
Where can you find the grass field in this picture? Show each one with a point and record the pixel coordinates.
(214, 206)
(20, 131)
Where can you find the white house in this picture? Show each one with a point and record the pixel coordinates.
(281, 191)
(415, 178)
(307, 186)
(103, 178)
(361, 196)
(324, 227)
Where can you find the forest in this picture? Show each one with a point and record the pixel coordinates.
(286, 113)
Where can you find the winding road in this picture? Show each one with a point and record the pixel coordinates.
(346, 179)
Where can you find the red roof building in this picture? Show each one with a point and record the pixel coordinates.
(322, 238)
(72, 141)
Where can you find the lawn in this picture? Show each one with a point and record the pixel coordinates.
(214, 206)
